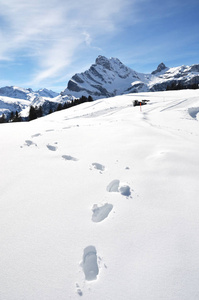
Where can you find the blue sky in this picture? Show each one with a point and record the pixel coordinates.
(42, 44)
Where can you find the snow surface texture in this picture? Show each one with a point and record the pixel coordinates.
(59, 237)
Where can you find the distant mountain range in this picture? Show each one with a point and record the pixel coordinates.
(105, 78)
(18, 99)
(26, 94)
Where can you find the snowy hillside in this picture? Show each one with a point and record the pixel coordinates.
(100, 201)
(110, 77)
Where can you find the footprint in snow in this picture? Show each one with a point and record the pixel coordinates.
(68, 157)
(99, 167)
(48, 130)
(101, 212)
(79, 291)
(51, 148)
(116, 186)
(29, 143)
(89, 263)
(36, 135)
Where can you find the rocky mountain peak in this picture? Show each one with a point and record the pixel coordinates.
(109, 77)
(103, 61)
(160, 68)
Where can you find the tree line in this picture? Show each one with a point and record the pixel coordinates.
(37, 112)
(13, 117)
(180, 86)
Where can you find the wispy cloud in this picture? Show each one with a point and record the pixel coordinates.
(52, 32)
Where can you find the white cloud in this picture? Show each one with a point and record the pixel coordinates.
(51, 32)
(88, 39)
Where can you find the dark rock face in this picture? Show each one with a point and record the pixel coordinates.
(158, 87)
(102, 91)
(73, 86)
(95, 72)
(77, 78)
(160, 68)
(194, 68)
(103, 61)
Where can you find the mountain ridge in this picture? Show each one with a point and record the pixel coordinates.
(110, 77)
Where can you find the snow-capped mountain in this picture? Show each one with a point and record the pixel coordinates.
(46, 93)
(110, 77)
(185, 76)
(105, 78)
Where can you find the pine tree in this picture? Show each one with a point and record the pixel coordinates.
(32, 114)
(59, 107)
(11, 116)
(17, 117)
(90, 99)
(50, 111)
(39, 112)
(3, 119)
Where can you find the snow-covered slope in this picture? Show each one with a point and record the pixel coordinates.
(100, 201)
(110, 77)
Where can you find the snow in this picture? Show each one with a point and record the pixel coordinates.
(100, 201)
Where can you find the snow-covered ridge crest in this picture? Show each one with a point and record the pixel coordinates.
(26, 94)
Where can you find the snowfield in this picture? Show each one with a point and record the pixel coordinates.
(101, 201)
